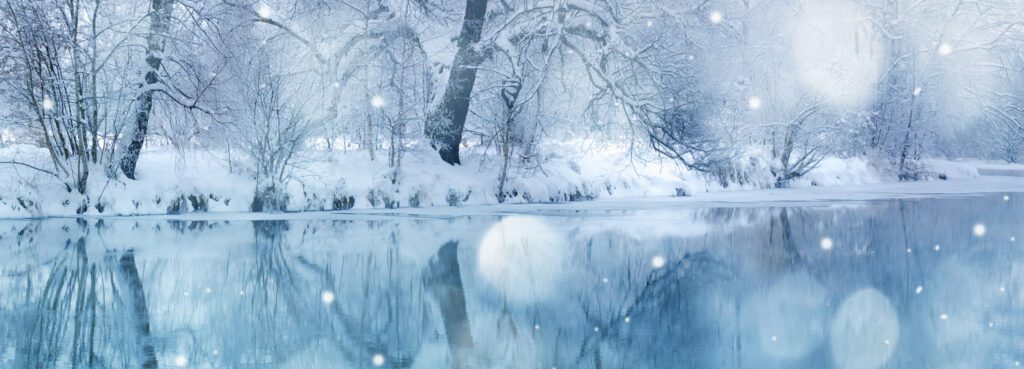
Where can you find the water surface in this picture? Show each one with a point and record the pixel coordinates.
(917, 283)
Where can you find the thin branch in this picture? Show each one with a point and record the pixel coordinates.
(11, 162)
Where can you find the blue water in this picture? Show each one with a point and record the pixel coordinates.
(924, 283)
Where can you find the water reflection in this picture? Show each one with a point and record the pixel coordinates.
(903, 284)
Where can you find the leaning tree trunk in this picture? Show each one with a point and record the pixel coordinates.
(159, 24)
(445, 125)
(136, 300)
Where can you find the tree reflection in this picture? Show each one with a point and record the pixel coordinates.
(741, 288)
(135, 303)
(88, 313)
(374, 307)
(444, 282)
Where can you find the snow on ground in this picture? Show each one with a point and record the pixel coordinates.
(204, 182)
(809, 196)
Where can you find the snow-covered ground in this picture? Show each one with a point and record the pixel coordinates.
(842, 195)
(808, 196)
(203, 182)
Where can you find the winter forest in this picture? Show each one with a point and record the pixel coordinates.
(511, 184)
(177, 106)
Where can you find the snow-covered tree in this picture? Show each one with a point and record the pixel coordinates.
(68, 70)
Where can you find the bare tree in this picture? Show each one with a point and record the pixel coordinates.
(683, 132)
(68, 71)
(269, 127)
(797, 144)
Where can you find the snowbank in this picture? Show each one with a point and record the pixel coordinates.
(174, 183)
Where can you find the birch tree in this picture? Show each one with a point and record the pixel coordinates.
(159, 17)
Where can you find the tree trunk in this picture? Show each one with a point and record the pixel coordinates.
(509, 94)
(159, 24)
(444, 128)
(905, 146)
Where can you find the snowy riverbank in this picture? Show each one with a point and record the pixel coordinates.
(203, 182)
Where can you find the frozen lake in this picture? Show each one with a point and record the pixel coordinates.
(919, 282)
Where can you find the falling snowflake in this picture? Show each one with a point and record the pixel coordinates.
(978, 230)
(715, 17)
(945, 49)
(658, 262)
(754, 103)
(181, 361)
(47, 103)
(264, 11)
(327, 297)
(377, 101)
(378, 360)
(826, 243)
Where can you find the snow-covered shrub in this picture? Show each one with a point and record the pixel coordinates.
(456, 198)
(269, 199)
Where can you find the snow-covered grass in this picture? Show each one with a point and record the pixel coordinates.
(203, 181)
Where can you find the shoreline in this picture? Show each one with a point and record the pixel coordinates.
(802, 197)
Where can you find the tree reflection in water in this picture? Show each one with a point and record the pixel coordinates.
(739, 288)
(88, 313)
